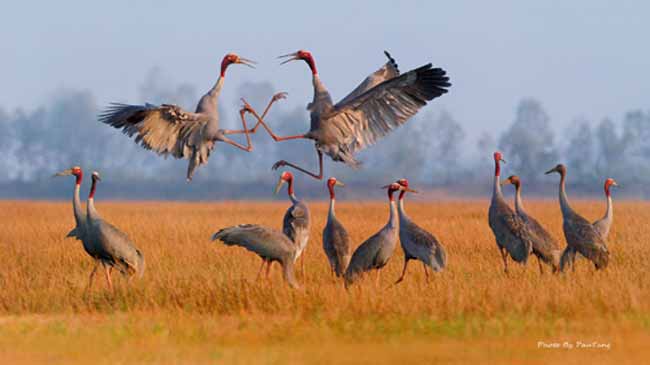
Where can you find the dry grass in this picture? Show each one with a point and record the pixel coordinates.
(198, 303)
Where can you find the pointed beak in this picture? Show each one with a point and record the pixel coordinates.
(385, 187)
(614, 183)
(550, 171)
(278, 186)
(408, 189)
(294, 57)
(247, 62)
(67, 172)
(339, 183)
(504, 182)
(502, 160)
(98, 178)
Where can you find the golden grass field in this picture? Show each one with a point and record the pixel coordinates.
(198, 302)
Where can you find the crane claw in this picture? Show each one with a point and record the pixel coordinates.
(279, 164)
(279, 96)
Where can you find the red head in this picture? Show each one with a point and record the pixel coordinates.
(301, 55)
(73, 171)
(331, 182)
(609, 182)
(395, 187)
(286, 177)
(95, 178)
(497, 166)
(231, 58)
(404, 183)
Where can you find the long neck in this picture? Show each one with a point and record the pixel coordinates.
(564, 201)
(496, 192)
(609, 213)
(216, 89)
(76, 202)
(393, 220)
(400, 205)
(519, 204)
(330, 214)
(90, 206)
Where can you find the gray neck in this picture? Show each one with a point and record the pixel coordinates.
(393, 220)
(519, 204)
(293, 198)
(90, 208)
(609, 213)
(208, 106)
(564, 201)
(496, 189)
(401, 211)
(330, 214)
(76, 206)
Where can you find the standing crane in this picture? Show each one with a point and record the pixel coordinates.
(296, 223)
(167, 129)
(605, 223)
(545, 247)
(581, 236)
(417, 243)
(114, 249)
(382, 102)
(336, 242)
(508, 227)
(270, 244)
(374, 253)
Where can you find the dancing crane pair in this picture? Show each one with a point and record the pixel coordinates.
(518, 234)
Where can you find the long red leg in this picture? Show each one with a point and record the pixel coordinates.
(281, 163)
(275, 98)
(223, 138)
(406, 262)
(261, 121)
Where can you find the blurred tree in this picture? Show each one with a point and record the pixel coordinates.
(528, 145)
(580, 152)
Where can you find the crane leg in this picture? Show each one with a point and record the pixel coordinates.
(276, 97)
(378, 277)
(92, 277)
(107, 272)
(259, 272)
(401, 278)
(504, 256)
(260, 120)
(268, 269)
(541, 268)
(281, 163)
(249, 145)
(426, 271)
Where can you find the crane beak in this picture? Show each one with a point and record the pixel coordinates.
(246, 62)
(67, 172)
(339, 183)
(502, 160)
(550, 171)
(294, 57)
(614, 183)
(505, 182)
(278, 186)
(408, 190)
(385, 187)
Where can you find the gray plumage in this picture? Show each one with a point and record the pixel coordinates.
(418, 244)
(381, 103)
(545, 247)
(375, 252)
(296, 222)
(269, 244)
(113, 247)
(508, 228)
(581, 236)
(336, 241)
(169, 130)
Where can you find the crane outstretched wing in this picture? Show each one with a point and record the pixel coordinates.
(166, 129)
(362, 120)
(266, 242)
(386, 72)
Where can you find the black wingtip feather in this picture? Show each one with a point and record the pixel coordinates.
(392, 61)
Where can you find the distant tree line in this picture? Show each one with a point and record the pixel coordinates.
(430, 150)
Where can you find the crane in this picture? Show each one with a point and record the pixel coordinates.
(113, 248)
(545, 247)
(271, 245)
(296, 222)
(336, 242)
(508, 227)
(374, 253)
(602, 225)
(167, 129)
(581, 236)
(382, 102)
(417, 243)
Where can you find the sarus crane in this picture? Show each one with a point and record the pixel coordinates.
(581, 236)
(545, 247)
(382, 102)
(417, 243)
(375, 252)
(114, 249)
(167, 129)
(508, 227)
(336, 241)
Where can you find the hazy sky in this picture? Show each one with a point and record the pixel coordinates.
(580, 58)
